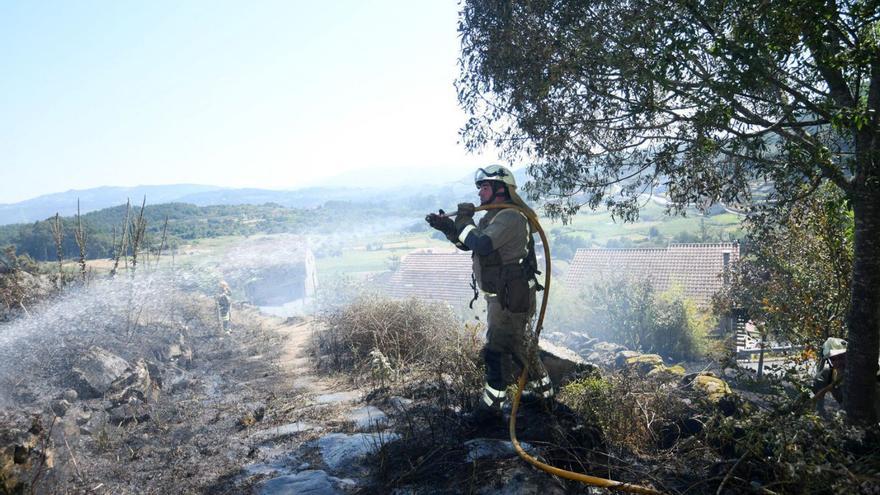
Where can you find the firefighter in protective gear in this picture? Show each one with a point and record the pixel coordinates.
(223, 306)
(829, 375)
(504, 267)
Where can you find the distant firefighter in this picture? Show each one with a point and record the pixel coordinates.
(223, 305)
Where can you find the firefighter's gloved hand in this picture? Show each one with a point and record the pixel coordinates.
(441, 222)
(465, 210)
(464, 216)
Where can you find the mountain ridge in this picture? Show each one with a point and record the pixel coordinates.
(101, 197)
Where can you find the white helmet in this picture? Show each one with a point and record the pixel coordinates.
(495, 172)
(833, 347)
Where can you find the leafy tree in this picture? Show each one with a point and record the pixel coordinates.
(706, 98)
(794, 278)
(632, 313)
(17, 290)
(566, 245)
(186, 222)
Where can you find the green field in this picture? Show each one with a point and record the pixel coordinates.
(368, 254)
(599, 227)
(373, 254)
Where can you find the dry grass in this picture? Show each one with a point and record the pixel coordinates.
(382, 339)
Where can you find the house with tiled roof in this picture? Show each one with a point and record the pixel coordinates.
(433, 274)
(697, 269)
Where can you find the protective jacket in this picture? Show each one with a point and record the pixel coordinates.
(825, 376)
(504, 268)
(223, 303)
(503, 272)
(503, 257)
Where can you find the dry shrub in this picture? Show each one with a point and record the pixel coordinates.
(384, 338)
(635, 414)
(776, 445)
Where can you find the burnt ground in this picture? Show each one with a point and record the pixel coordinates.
(246, 413)
(223, 422)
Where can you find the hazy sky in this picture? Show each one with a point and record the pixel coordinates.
(275, 94)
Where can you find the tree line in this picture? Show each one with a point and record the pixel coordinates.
(185, 223)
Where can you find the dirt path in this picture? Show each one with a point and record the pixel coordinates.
(295, 362)
(318, 435)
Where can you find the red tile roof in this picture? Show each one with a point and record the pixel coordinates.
(696, 268)
(433, 275)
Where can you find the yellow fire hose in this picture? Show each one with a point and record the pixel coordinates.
(562, 473)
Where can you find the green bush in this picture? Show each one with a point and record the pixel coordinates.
(631, 412)
(633, 314)
(679, 328)
(789, 451)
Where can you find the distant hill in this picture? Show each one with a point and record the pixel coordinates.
(200, 211)
(42, 207)
(187, 222)
(414, 191)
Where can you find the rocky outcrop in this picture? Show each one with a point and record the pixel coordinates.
(95, 372)
(312, 481)
(643, 364)
(131, 394)
(127, 389)
(135, 383)
(561, 363)
(591, 349)
(711, 387)
(176, 350)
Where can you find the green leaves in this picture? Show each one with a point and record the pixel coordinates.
(795, 281)
(632, 313)
(599, 93)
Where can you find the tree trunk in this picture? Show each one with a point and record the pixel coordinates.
(864, 317)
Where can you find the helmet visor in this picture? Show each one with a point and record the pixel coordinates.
(482, 175)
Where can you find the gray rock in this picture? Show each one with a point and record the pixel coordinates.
(95, 371)
(521, 479)
(561, 362)
(342, 452)
(368, 417)
(621, 357)
(311, 482)
(400, 403)
(490, 448)
(338, 397)
(97, 421)
(70, 395)
(600, 353)
(283, 430)
(59, 407)
(134, 383)
(133, 410)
